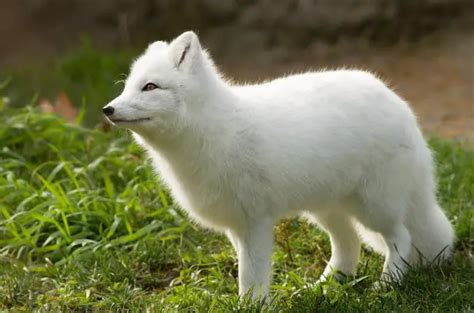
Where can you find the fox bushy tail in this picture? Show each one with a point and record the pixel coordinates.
(432, 235)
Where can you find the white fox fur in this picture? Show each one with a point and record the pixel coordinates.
(338, 147)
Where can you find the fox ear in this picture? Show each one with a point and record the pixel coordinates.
(185, 51)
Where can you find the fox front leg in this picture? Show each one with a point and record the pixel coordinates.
(254, 248)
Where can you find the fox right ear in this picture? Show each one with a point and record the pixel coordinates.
(185, 51)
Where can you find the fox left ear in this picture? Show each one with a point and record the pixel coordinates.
(185, 51)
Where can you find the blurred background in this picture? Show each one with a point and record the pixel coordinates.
(57, 53)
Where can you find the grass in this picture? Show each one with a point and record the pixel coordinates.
(90, 79)
(85, 226)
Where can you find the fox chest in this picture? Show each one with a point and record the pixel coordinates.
(204, 195)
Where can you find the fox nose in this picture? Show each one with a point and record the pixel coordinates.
(108, 110)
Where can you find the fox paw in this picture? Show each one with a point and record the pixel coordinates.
(334, 275)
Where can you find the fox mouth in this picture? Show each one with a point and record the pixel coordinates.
(136, 120)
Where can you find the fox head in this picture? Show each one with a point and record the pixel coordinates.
(165, 85)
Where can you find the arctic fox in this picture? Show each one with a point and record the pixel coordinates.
(338, 147)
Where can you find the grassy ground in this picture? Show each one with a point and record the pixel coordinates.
(85, 225)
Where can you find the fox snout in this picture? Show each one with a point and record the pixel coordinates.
(122, 116)
(108, 110)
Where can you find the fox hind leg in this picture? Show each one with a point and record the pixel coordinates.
(398, 241)
(345, 245)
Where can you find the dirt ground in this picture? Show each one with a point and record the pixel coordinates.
(435, 75)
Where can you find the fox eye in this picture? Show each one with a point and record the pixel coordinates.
(149, 86)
